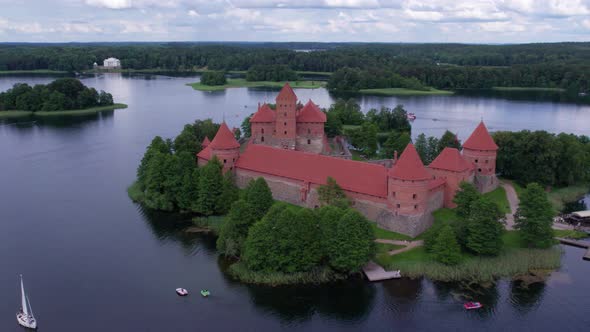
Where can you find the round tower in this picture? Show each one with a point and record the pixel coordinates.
(286, 114)
(225, 147)
(481, 150)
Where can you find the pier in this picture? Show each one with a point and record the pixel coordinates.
(375, 272)
(579, 244)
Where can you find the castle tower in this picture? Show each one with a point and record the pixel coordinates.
(408, 184)
(310, 129)
(454, 169)
(286, 114)
(262, 125)
(481, 150)
(224, 146)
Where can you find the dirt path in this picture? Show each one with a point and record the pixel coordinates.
(408, 245)
(513, 201)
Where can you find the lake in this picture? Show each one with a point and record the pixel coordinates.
(94, 261)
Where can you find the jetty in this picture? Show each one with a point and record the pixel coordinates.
(579, 244)
(374, 272)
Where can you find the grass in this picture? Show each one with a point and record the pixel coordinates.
(569, 234)
(14, 114)
(524, 88)
(559, 196)
(135, 192)
(381, 233)
(213, 223)
(498, 196)
(404, 92)
(242, 83)
(86, 111)
(240, 271)
(36, 71)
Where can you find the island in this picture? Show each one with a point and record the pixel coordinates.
(64, 96)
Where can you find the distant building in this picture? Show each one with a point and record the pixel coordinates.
(286, 149)
(111, 63)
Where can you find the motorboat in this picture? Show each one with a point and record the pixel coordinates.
(472, 305)
(411, 116)
(181, 292)
(25, 316)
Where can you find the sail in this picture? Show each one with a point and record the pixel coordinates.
(30, 308)
(23, 298)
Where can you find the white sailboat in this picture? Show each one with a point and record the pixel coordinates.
(25, 315)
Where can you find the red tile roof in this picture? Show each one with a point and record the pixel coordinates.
(433, 184)
(205, 153)
(287, 93)
(264, 114)
(480, 139)
(409, 166)
(224, 139)
(356, 176)
(311, 113)
(206, 142)
(451, 160)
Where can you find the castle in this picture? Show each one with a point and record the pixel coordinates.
(286, 147)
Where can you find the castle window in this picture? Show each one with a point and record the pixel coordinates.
(285, 113)
(398, 206)
(393, 194)
(487, 161)
(233, 159)
(416, 207)
(285, 123)
(262, 131)
(479, 170)
(308, 131)
(414, 196)
(476, 161)
(308, 141)
(224, 161)
(286, 134)
(262, 139)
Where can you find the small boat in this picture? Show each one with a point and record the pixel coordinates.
(25, 316)
(205, 293)
(181, 292)
(411, 116)
(472, 305)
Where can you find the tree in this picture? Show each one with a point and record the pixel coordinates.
(449, 140)
(159, 182)
(237, 133)
(421, 146)
(258, 195)
(332, 194)
(395, 142)
(484, 229)
(535, 217)
(235, 228)
(105, 98)
(246, 128)
(210, 185)
(349, 242)
(158, 145)
(348, 111)
(187, 186)
(464, 198)
(446, 250)
(433, 151)
(213, 78)
(187, 141)
(229, 193)
(333, 125)
(285, 240)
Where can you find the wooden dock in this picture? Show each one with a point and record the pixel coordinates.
(375, 272)
(579, 244)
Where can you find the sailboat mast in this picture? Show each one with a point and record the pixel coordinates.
(30, 307)
(23, 297)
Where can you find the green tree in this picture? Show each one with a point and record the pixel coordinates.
(158, 145)
(332, 194)
(187, 141)
(446, 250)
(432, 151)
(234, 230)
(258, 195)
(246, 128)
(210, 186)
(349, 111)
(213, 78)
(395, 142)
(285, 240)
(535, 217)
(484, 231)
(159, 182)
(449, 140)
(421, 146)
(333, 125)
(349, 242)
(229, 193)
(464, 198)
(187, 187)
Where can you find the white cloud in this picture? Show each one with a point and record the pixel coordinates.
(586, 23)
(193, 13)
(547, 8)
(111, 4)
(507, 27)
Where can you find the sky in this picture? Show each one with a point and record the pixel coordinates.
(465, 21)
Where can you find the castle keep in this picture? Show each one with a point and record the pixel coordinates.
(286, 149)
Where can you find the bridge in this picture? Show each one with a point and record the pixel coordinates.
(579, 244)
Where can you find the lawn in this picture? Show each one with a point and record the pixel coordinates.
(569, 234)
(32, 72)
(524, 88)
(242, 83)
(381, 233)
(92, 110)
(498, 196)
(14, 114)
(404, 92)
(559, 196)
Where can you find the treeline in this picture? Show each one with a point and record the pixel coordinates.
(281, 243)
(213, 78)
(169, 179)
(443, 66)
(542, 157)
(61, 94)
(355, 79)
(274, 73)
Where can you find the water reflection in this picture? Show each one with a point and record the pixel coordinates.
(526, 297)
(460, 292)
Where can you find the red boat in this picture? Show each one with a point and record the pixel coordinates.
(472, 305)
(411, 116)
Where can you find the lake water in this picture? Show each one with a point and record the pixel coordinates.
(94, 261)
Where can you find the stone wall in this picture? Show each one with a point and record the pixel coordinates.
(312, 144)
(486, 183)
(283, 189)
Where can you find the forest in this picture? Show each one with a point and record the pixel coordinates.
(61, 94)
(442, 66)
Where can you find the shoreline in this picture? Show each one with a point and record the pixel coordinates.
(405, 92)
(87, 111)
(242, 83)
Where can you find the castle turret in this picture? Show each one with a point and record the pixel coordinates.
(286, 114)
(481, 150)
(310, 128)
(262, 125)
(450, 166)
(224, 146)
(408, 184)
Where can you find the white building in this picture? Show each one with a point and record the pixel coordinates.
(112, 63)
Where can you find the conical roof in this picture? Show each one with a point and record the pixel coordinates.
(451, 160)
(224, 139)
(287, 93)
(409, 166)
(480, 139)
(206, 142)
(264, 114)
(311, 113)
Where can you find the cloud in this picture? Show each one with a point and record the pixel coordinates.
(193, 13)
(547, 8)
(586, 23)
(111, 4)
